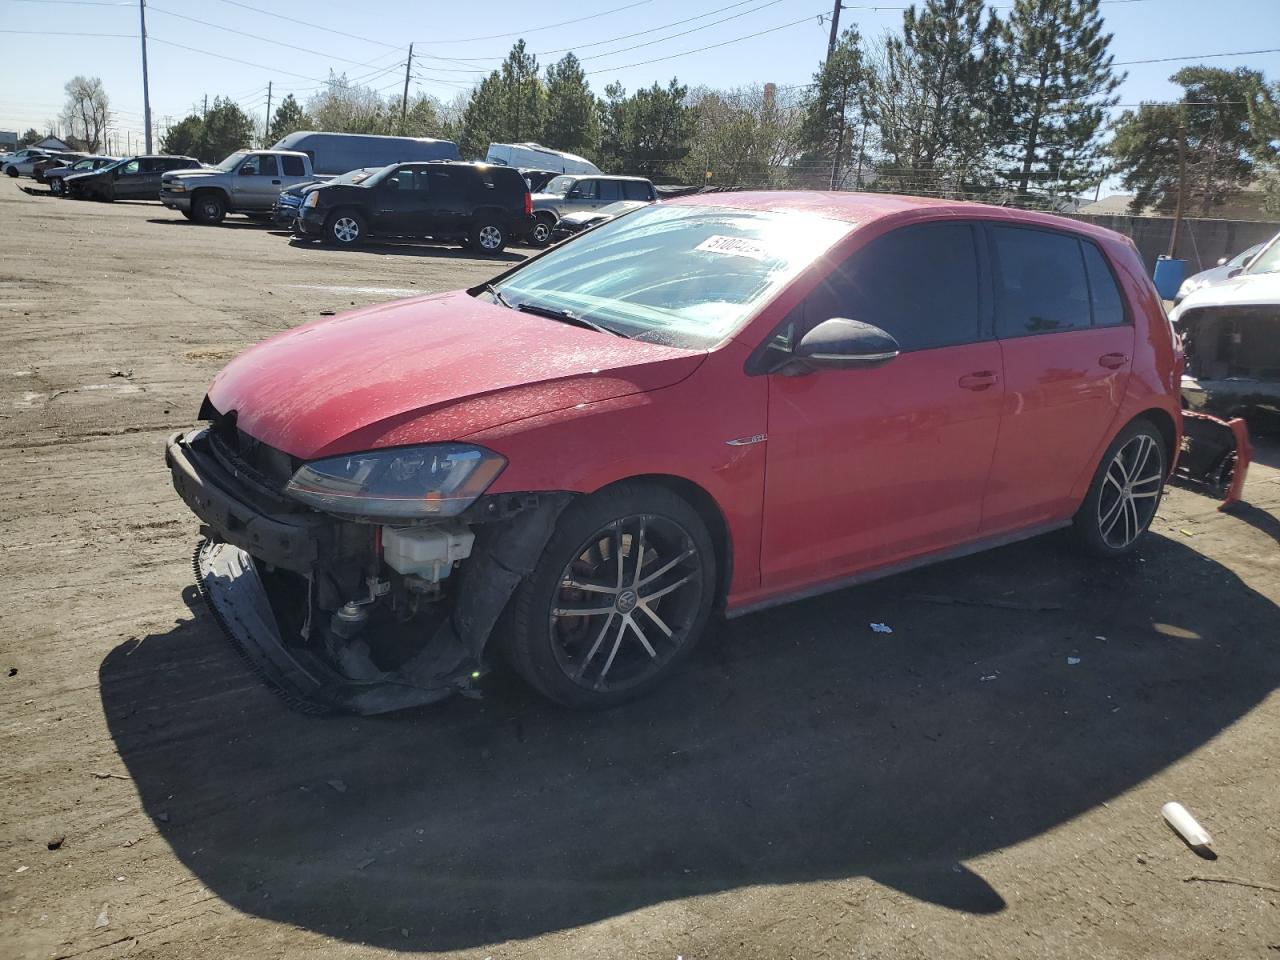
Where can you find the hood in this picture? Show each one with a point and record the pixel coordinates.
(192, 173)
(1249, 289)
(431, 369)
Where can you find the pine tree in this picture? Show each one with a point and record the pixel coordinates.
(1056, 89)
(524, 98)
(835, 112)
(933, 97)
(571, 120)
(289, 117)
(482, 121)
(1208, 147)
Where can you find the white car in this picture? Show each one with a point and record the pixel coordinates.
(20, 164)
(1225, 270)
(1231, 334)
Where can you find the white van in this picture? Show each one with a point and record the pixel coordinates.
(335, 153)
(534, 156)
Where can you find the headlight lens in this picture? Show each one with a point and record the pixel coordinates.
(313, 199)
(176, 187)
(402, 483)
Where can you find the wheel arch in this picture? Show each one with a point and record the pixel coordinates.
(709, 510)
(1162, 421)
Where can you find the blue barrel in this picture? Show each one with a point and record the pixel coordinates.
(1169, 276)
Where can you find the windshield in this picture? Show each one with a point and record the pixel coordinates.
(233, 161)
(688, 276)
(378, 176)
(560, 185)
(1268, 261)
(1242, 259)
(117, 163)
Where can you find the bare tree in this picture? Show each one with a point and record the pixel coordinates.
(87, 111)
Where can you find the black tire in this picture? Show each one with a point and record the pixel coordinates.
(1125, 493)
(189, 214)
(344, 228)
(56, 187)
(631, 522)
(488, 237)
(540, 235)
(208, 208)
(12, 171)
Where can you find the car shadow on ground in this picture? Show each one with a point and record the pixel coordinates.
(239, 223)
(798, 745)
(408, 248)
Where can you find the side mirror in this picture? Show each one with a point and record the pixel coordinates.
(840, 344)
(574, 194)
(247, 171)
(1234, 272)
(1221, 261)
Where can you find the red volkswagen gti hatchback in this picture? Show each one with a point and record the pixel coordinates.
(705, 406)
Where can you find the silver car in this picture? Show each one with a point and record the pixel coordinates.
(572, 193)
(1225, 270)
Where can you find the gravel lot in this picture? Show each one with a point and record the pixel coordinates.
(805, 788)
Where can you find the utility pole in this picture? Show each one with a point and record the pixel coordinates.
(146, 89)
(266, 127)
(205, 111)
(835, 29)
(1182, 189)
(404, 100)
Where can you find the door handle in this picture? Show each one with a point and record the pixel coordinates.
(275, 182)
(1113, 361)
(979, 380)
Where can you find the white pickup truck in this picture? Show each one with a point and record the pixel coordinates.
(246, 182)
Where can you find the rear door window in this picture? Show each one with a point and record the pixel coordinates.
(635, 190)
(1104, 295)
(919, 283)
(293, 167)
(1040, 282)
(609, 191)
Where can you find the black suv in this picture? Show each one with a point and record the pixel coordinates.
(133, 178)
(480, 205)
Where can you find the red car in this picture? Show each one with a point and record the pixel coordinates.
(710, 405)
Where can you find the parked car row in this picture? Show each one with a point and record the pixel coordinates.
(398, 187)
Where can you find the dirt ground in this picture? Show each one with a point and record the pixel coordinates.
(961, 787)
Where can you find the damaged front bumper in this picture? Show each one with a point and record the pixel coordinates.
(1215, 454)
(307, 601)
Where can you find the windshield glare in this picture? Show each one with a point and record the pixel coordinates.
(560, 185)
(1268, 261)
(378, 176)
(233, 161)
(687, 276)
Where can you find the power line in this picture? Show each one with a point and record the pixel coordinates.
(1199, 56)
(71, 33)
(711, 46)
(247, 63)
(705, 26)
(545, 26)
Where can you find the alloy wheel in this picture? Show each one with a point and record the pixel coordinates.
(541, 232)
(626, 602)
(490, 238)
(1130, 491)
(346, 230)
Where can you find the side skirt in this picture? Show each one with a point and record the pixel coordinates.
(879, 573)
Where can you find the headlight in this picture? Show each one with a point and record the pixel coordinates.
(313, 200)
(176, 187)
(402, 483)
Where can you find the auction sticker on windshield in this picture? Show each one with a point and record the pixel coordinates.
(734, 247)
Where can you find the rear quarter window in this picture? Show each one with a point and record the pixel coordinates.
(634, 190)
(1104, 293)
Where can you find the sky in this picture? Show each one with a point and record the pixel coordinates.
(239, 47)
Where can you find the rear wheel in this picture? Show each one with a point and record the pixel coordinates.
(344, 228)
(55, 186)
(489, 237)
(208, 208)
(620, 597)
(1125, 493)
(540, 236)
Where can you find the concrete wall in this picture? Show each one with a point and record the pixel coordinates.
(1201, 244)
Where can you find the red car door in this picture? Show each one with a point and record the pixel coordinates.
(1067, 344)
(866, 467)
